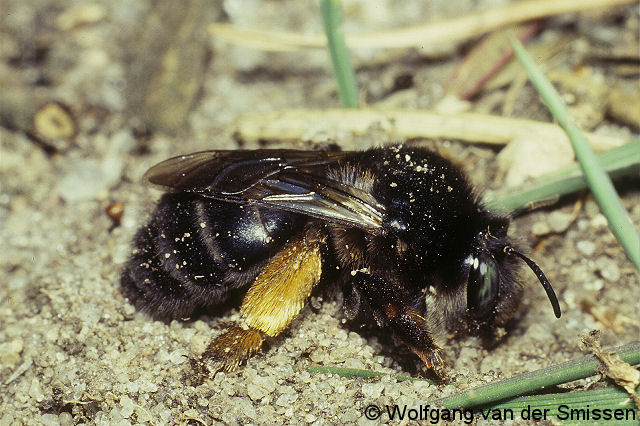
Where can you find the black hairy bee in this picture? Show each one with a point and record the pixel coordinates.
(401, 227)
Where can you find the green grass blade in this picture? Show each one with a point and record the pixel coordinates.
(598, 181)
(572, 407)
(530, 382)
(342, 69)
(617, 162)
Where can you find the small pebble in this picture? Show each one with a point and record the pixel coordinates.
(178, 356)
(599, 221)
(372, 391)
(35, 390)
(10, 352)
(608, 268)
(559, 221)
(127, 407)
(199, 343)
(586, 247)
(540, 228)
(65, 419)
(285, 400)
(81, 14)
(256, 393)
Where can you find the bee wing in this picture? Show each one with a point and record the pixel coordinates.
(290, 180)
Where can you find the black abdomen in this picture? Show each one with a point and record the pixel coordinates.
(194, 250)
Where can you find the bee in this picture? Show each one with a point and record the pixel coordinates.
(400, 228)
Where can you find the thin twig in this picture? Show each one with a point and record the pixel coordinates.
(446, 31)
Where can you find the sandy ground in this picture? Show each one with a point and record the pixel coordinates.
(73, 350)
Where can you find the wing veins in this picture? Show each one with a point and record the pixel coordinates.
(290, 180)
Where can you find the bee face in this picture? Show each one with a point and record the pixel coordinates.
(413, 246)
(489, 277)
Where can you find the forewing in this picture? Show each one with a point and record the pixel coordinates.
(225, 172)
(291, 180)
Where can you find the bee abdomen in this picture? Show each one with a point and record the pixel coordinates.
(194, 250)
(170, 273)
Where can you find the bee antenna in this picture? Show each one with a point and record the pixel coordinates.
(541, 277)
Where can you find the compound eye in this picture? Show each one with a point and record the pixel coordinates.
(482, 285)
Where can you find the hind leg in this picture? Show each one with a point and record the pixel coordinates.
(273, 301)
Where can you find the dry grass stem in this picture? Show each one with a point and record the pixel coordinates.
(456, 29)
(293, 125)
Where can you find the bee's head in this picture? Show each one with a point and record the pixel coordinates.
(491, 267)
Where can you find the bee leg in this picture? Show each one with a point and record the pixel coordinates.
(393, 310)
(231, 348)
(411, 328)
(274, 299)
